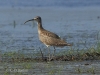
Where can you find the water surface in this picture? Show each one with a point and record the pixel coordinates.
(75, 25)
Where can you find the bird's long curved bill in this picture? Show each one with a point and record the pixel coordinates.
(29, 20)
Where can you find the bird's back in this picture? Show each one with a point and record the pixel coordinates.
(51, 39)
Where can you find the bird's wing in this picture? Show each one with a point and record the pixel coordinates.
(50, 34)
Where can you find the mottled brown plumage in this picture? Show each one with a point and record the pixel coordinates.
(47, 37)
(51, 39)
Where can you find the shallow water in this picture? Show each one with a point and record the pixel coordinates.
(52, 68)
(76, 25)
(49, 3)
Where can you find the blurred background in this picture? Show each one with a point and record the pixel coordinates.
(49, 3)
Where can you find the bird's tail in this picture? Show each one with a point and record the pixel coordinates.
(69, 44)
(63, 44)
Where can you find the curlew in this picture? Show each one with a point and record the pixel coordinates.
(47, 37)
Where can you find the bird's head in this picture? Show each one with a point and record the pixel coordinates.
(37, 18)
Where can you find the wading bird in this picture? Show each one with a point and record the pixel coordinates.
(47, 37)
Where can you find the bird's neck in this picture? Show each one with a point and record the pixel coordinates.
(40, 26)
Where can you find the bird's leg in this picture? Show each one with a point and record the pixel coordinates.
(49, 54)
(54, 51)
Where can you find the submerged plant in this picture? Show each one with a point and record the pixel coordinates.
(79, 70)
(14, 23)
(91, 70)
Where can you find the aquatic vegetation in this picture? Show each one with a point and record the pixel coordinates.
(27, 65)
(79, 70)
(14, 23)
(85, 71)
(91, 70)
(69, 55)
